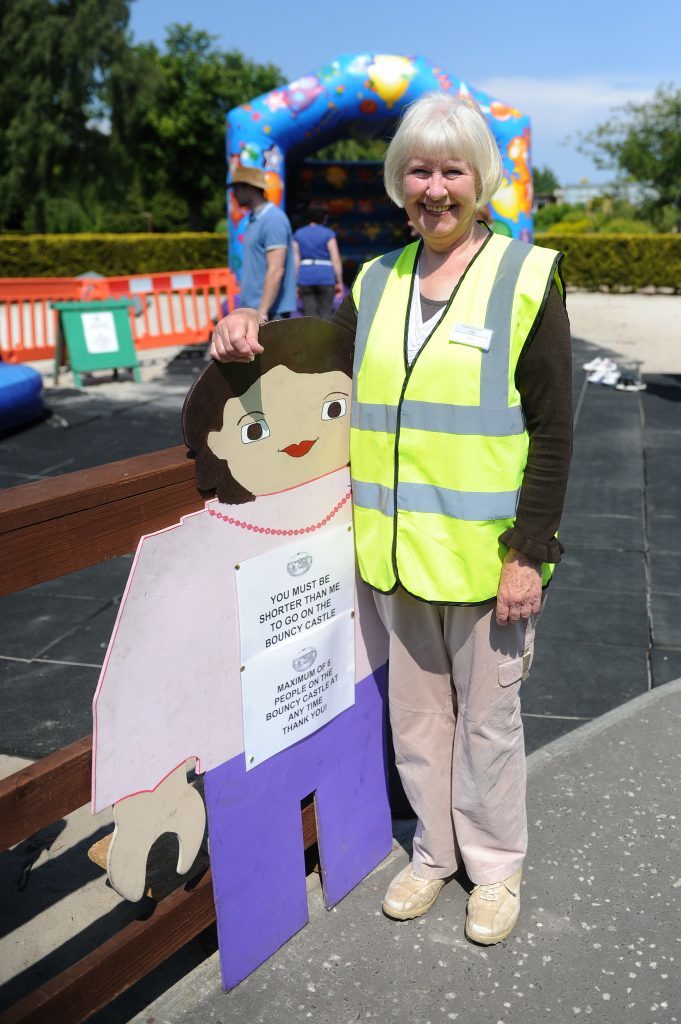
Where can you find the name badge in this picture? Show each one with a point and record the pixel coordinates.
(478, 337)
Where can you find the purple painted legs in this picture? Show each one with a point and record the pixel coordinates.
(255, 830)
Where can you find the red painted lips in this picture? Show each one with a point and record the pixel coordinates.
(296, 451)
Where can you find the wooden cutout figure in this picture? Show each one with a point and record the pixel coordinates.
(271, 437)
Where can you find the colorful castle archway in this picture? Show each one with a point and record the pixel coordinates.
(361, 96)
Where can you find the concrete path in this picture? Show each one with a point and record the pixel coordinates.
(639, 329)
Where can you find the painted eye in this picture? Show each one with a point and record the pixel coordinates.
(334, 409)
(254, 431)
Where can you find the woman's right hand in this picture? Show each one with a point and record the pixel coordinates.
(235, 338)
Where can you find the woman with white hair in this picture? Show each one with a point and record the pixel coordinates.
(459, 454)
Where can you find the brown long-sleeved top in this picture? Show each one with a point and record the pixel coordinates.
(544, 379)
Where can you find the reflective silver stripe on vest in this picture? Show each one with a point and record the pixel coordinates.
(494, 375)
(373, 286)
(371, 416)
(373, 496)
(473, 506)
(445, 419)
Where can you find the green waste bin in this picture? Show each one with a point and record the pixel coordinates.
(95, 336)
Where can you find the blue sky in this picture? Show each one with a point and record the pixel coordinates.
(567, 72)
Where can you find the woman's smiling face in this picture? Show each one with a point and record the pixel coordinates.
(287, 429)
(439, 195)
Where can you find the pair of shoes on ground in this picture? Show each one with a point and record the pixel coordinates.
(491, 913)
(602, 371)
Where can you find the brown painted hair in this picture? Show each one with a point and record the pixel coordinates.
(304, 345)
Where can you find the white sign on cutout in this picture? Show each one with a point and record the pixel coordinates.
(297, 640)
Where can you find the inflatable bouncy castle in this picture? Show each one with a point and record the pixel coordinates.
(361, 96)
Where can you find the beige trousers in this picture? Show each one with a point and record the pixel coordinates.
(454, 683)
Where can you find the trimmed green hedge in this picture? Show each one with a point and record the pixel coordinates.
(618, 262)
(111, 255)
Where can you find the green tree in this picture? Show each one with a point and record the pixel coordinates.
(131, 91)
(643, 141)
(98, 134)
(55, 57)
(545, 181)
(183, 152)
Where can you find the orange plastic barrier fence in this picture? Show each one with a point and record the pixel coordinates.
(173, 308)
(28, 327)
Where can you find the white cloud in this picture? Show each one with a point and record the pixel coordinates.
(584, 93)
(560, 109)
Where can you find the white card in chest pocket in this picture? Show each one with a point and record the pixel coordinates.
(477, 337)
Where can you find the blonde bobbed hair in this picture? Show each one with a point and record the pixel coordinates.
(440, 125)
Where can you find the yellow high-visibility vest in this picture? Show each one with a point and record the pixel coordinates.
(438, 449)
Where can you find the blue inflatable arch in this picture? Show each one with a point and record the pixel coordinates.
(360, 96)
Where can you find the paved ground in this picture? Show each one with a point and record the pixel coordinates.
(598, 934)
(608, 634)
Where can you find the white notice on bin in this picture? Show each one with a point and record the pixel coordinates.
(100, 332)
(297, 640)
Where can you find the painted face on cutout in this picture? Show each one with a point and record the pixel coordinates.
(287, 429)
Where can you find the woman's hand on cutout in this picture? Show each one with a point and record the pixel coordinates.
(235, 338)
